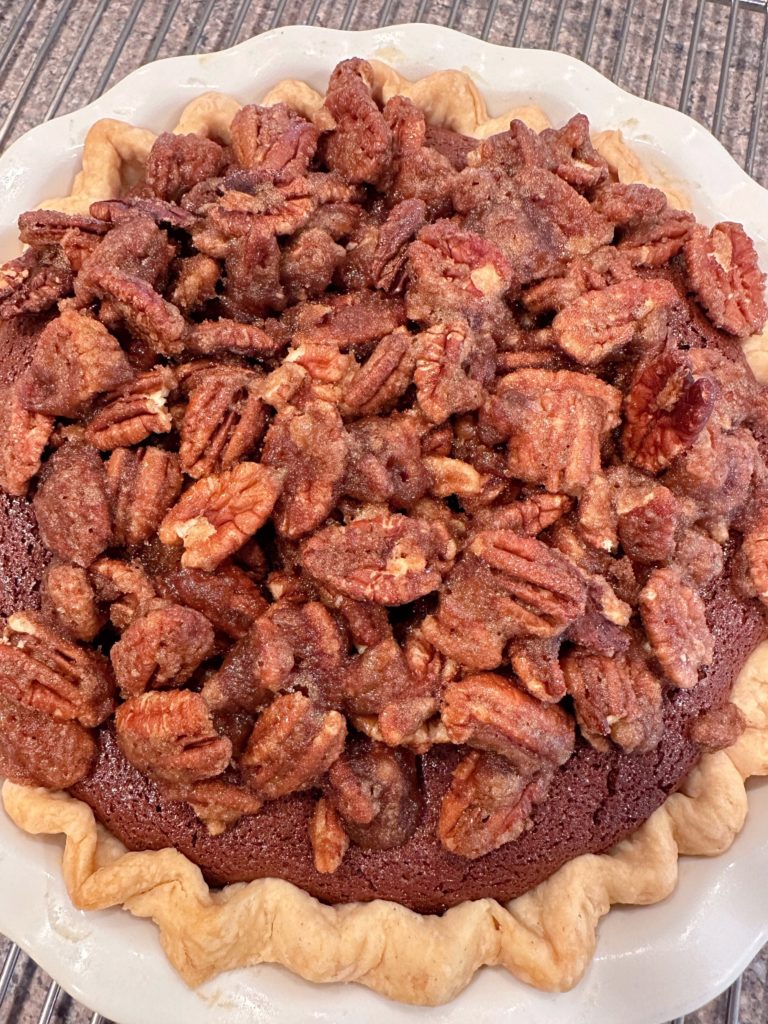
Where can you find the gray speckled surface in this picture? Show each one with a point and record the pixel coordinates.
(39, 62)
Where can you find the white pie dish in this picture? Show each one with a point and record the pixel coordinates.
(652, 964)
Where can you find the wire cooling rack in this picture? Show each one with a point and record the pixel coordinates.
(707, 57)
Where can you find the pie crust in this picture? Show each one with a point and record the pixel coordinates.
(546, 937)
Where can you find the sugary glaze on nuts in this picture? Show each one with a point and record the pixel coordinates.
(385, 477)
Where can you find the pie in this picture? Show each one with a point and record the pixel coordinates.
(384, 526)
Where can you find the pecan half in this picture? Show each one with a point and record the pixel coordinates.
(718, 728)
(598, 324)
(142, 485)
(388, 559)
(725, 276)
(72, 506)
(453, 367)
(45, 671)
(69, 599)
(161, 649)
(229, 599)
(309, 448)
(171, 737)
(616, 698)
(24, 436)
(376, 793)
(124, 586)
(134, 412)
(664, 411)
(489, 803)
(76, 359)
(292, 745)
(218, 514)
(224, 419)
(674, 619)
(375, 386)
(37, 750)
(487, 712)
(537, 666)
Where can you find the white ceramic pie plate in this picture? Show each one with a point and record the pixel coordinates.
(652, 963)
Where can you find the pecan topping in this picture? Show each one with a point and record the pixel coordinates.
(487, 712)
(218, 514)
(217, 802)
(134, 412)
(665, 411)
(125, 587)
(142, 485)
(292, 745)
(76, 359)
(537, 666)
(229, 599)
(724, 274)
(386, 559)
(375, 386)
(718, 728)
(488, 804)
(309, 447)
(329, 840)
(376, 793)
(161, 649)
(273, 139)
(617, 698)
(71, 505)
(673, 617)
(358, 143)
(177, 162)
(40, 668)
(225, 417)
(452, 369)
(37, 750)
(171, 737)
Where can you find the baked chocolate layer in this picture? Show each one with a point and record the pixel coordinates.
(596, 800)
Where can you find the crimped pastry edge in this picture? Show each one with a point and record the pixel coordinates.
(546, 937)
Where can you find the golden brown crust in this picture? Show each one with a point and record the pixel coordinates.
(546, 937)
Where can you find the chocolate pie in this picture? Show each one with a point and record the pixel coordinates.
(385, 512)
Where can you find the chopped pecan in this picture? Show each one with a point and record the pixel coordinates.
(177, 162)
(599, 323)
(616, 698)
(309, 262)
(718, 728)
(376, 385)
(236, 686)
(453, 476)
(454, 271)
(674, 619)
(377, 677)
(699, 558)
(489, 803)
(224, 419)
(725, 277)
(388, 559)
(194, 282)
(487, 712)
(218, 802)
(37, 750)
(537, 666)
(627, 205)
(358, 143)
(375, 791)
(76, 359)
(171, 737)
(292, 745)
(69, 599)
(274, 140)
(453, 367)
(24, 436)
(402, 224)
(134, 412)
(664, 411)
(218, 514)
(40, 668)
(228, 598)
(142, 485)
(71, 505)
(328, 838)
(419, 172)
(161, 649)
(124, 586)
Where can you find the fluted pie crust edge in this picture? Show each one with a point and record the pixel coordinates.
(546, 937)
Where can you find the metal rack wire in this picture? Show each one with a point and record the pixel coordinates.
(56, 55)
